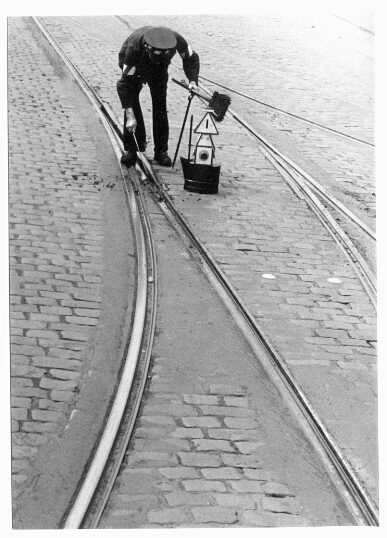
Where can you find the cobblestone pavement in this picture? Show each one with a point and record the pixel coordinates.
(323, 329)
(314, 310)
(68, 219)
(318, 67)
(214, 443)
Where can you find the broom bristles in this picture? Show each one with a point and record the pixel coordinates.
(219, 103)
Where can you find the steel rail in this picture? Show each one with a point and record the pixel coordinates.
(329, 199)
(248, 63)
(294, 175)
(112, 466)
(358, 262)
(242, 94)
(357, 498)
(313, 183)
(301, 178)
(290, 114)
(355, 495)
(89, 484)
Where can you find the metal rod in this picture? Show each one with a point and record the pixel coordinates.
(190, 138)
(190, 97)
(192, 91)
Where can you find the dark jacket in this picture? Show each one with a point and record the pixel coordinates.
(133, 59)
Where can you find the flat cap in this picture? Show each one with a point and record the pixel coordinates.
(160, 37)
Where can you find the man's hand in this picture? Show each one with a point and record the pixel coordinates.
(131, 122)
(193, 86)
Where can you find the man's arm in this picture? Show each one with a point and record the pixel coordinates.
(126, 88)
(191, 63)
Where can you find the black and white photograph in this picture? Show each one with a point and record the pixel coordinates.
(190, 222)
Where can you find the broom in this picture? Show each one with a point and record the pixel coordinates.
(219, 102)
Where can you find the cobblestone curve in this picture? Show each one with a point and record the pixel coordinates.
(314, 310)
(60, 199)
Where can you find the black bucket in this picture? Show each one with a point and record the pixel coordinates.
(201, 178)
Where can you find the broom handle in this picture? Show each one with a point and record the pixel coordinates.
(194, 92)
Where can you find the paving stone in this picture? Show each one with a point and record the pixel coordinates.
(174, 410)
(47, 416)
(245, 486)
(188, 499)
(253, 518)
(199, 460)
(23, 451)
(55, 384)
(28, 392)
(139, 501)
(19, 465)
(177, 473)
(18, 413)
(275, 489)
(75, 335)
(274, 520)
(64, 374)
(39, 427)
(234, 434)
(236, 401)
(229, 390)
(200, 399)
(52, 406)
(241, 460)
(221, 473)
(168, 515)
(56, 310)
(246, 447)
(237, 500)
(216, 514)
(81, 320)
(188, 433)
(143, 481)
(201, 422)
(158, 419)
(61, 395)
(150, 433)
(257, 474)
(247, 423)
(161, 458)
(161, 445)
(225, 411)
(213, 445)
(281, 505)
(203, 485)
(20, 402)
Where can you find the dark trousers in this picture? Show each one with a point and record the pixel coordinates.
(158, 90)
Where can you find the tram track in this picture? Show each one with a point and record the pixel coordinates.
(308, 184)
(316, 197)
(109, 452)
(114, 440)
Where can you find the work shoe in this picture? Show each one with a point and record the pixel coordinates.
(129, 158)
(163, 158)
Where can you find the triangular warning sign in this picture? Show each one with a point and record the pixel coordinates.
(205, 140)
(207, 125)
